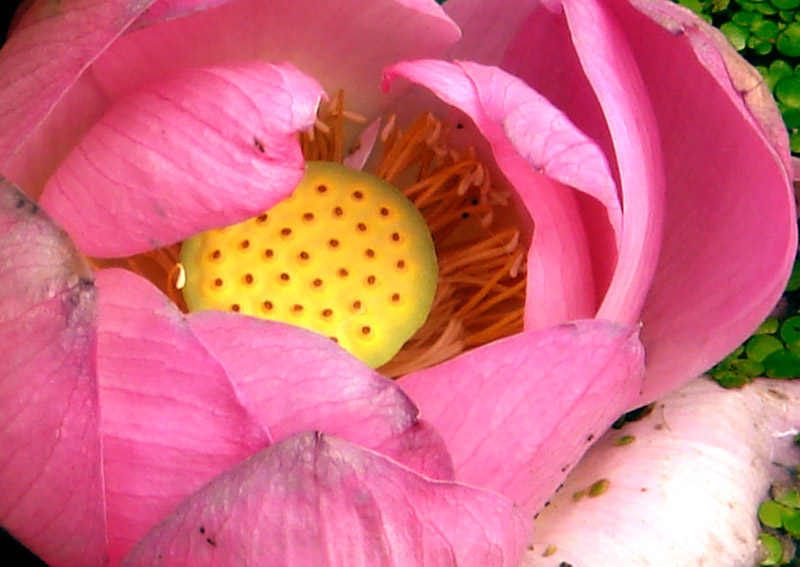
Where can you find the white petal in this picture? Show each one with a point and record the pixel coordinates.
(685, 491)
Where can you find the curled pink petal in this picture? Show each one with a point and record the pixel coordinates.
(294, 380)
(541, 154)
(703, 449)
(730, 223)
(518, 413)
(171, 418)
(611, 69)
(207, 148)
(49, 413)
(317, 500)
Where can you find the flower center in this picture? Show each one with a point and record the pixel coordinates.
(480, 293)
(346, 255)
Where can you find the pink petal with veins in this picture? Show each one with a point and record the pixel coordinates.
(518, 413)
(52, 486)
(206, 148)
(294, 380)
(317, 500)
(171, 417)
(51, 44)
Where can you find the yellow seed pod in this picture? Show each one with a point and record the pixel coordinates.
(345, 255)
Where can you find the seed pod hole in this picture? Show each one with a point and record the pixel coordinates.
(249, 279)
(236, 307)
(244, 244)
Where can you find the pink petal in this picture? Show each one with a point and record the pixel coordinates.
(344, 44)
(316, 500)
(206, 148)
(171, 418)
(686, 487)
(540, 153)
(730, 234)
(608, 61)
(162, 10)
(51, 497)
(294, 380)
(488, 27)
(41, 61)
(518, 413)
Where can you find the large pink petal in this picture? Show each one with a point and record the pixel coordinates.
(49, 48)
(205, 148)
(51, 497)
(316, 500)
(294, 380)
(171, 418)
(730, 228)
(518, 413)
(683, 484)
(345, 44)
(541, 154)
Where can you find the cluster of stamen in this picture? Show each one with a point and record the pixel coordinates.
(482, 272)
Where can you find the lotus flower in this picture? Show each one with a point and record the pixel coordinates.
(634, 158)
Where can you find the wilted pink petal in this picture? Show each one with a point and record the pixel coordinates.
(294, 380)
(683, 484)
(317, 500)
(171, 419)
(518, 413)
(540, 152)
(206, 148)
(730, 233)
(49, 414)
(49, 47)
(344, 44)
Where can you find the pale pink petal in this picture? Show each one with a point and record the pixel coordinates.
(171, 418)
(51, 497)
(345, 44)
(542, 155)
(49, 48)
(518, 413)
(730, 227)
(295, 380)
(317, 500)
(683, 485)
(206, 148)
